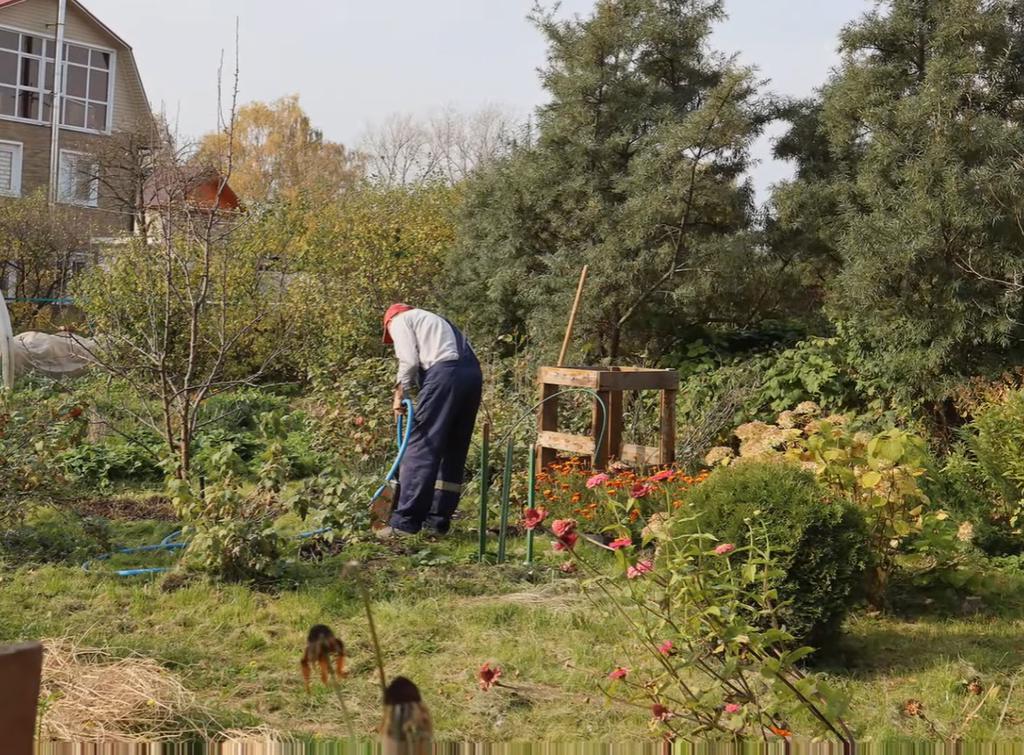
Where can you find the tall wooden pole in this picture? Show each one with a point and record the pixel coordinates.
(572, 317)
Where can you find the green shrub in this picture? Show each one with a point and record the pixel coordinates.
(103, 464)
(822, 541)
(996, 442)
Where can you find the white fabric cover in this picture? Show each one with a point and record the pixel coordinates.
(62, 355)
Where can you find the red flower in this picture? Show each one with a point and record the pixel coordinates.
(640, 490)
(665, 474)
(725, 549)
(733, 708)
(563, 527)
(641, 568)
(533, 518)
(622, 542)
(665, 648)
(618, 673)
(660, 712)
(488, 676)
(566, 542)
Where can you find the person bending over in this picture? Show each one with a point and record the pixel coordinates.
(434, 356)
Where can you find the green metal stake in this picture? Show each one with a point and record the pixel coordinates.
(506, 491)
(531, 499)
(485, 485)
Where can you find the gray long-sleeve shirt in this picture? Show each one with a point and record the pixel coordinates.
(422, 339)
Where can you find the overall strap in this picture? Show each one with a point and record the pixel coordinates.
(461, 342)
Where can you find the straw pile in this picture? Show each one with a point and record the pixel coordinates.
(88, 694)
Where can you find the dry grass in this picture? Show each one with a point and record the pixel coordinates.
(89, 695)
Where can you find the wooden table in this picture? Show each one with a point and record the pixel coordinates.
(608, 383)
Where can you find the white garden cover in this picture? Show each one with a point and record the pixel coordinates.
(61, 355)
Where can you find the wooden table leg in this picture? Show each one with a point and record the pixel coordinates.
(547, 419)
(614, 443)
(667, 445)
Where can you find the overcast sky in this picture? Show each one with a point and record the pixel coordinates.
(354, 62)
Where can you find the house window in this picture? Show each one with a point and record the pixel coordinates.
(78, 179)
(10, 169)
(27, 81)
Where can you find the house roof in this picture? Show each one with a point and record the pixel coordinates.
(88, 13)
(200, 189)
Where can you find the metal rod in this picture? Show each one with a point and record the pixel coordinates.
(531, 499)
(484, 487)
(506, 491)
(56, 102)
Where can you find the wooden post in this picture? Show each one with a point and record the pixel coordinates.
(20, 671)
(572, 317)
(667, 446)
(547, 420)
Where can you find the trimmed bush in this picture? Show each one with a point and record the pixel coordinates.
(822, 541)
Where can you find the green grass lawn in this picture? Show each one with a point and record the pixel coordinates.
(441, 615)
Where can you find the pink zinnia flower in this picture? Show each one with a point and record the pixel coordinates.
(641, 568)
(732, 708)
(665, 474)
(724, 549)
(533, 518)
(640, 490)
(660, 712)
(622, 542)
(566, 542)
(597, 480)
(488, 676)
(618, 673)
(562, 527)
(665, 648)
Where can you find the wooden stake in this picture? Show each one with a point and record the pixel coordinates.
(572, 317)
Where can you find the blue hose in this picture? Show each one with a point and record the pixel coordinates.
(402, 433)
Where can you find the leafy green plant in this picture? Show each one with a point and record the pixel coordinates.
(229, 522)
(101, 465)
(706, 654)
(820, 539)
(338, 502)
(882, 475)
(996, 441)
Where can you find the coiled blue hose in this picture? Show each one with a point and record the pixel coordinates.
(403, 431)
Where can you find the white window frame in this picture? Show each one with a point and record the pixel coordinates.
(18, 151)
(44, 91)
(94, 192)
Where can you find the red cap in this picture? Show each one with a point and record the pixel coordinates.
(393, 311)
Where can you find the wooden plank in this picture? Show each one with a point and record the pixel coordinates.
(643, 456)
(574, 444)
(600, 422)
(547, 421)
(568, 376)
(647, 380)
(668, 427)
(20, 670)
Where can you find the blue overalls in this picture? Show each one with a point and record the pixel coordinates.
(432, 470)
